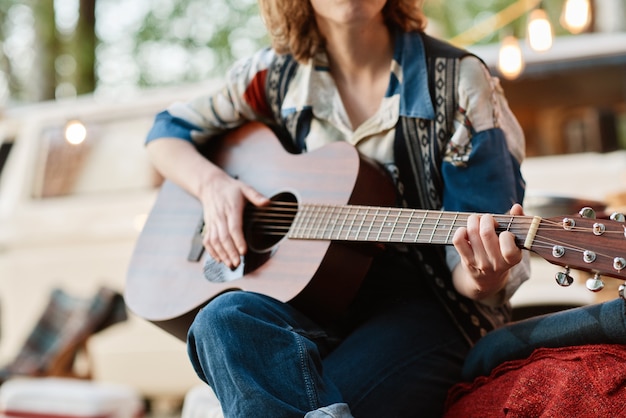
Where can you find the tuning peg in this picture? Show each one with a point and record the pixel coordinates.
(620, 291)
(619, 217)
(587, 212)
(563, 278)
(595, 283)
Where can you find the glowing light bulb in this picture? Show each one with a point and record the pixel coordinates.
(539, 31)
(510, 60)
(75, 132)
(576, 15)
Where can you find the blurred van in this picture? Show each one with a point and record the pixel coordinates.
(75, 188)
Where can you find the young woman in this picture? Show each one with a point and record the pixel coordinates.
(364, 72)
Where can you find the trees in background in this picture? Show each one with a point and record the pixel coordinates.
(41, 58)
(62, 48)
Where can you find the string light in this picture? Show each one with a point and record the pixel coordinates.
(75, 132)
(510, 59)
(576, 18)
(576, 15)
(539, 31)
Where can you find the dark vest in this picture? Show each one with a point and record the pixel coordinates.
(418, 149)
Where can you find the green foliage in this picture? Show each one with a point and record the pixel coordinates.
(452, 17)
(455, 17)
(168, 42)
(208, 36)
(11, 79)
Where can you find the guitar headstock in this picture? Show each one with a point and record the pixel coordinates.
(582, 242)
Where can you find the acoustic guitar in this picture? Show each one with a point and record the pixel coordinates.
(312, 245)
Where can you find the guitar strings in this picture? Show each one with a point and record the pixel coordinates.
(328, 221)
(542, 241)
(286, 211)
(389, 224)
(277, 219)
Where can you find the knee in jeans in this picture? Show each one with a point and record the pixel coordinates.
(223, 311)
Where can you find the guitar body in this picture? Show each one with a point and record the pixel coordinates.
(313, 245)
(317, 276)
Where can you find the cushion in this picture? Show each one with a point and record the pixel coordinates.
(53, 397)
(576, 381)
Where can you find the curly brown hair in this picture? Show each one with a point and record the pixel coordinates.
(293, 30)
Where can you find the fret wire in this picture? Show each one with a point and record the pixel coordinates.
(330, 221)
(311, 223)
(456, 215)
(508, 227)
(315, 221)
(327, 221)
(314, 215)
(435, 227)
(365, 215)
(341, 213)
(406, 226)
(382, 225)
(369, 229)
(394, 224)
(302, 221)
(399, 224)
(323, 225)
(340, 223)
(421, 225)
(310, 217)
(319, 226)
(352, 222)
(342, 216)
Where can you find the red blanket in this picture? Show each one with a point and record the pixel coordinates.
(582, 381)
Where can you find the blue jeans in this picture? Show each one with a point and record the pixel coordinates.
(602, 323)
(264, 358)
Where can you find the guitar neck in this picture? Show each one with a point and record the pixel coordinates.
(388, 224)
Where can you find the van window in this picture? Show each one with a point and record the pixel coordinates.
(110, 158)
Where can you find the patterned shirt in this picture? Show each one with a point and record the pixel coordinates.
(482, 113)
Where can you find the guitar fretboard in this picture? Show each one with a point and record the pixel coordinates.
(391, 225)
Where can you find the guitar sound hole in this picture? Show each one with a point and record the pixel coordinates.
(266, 226)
